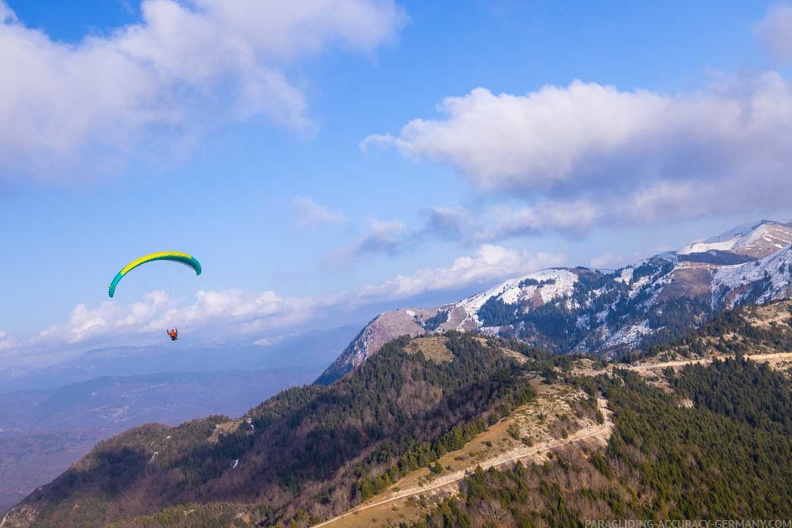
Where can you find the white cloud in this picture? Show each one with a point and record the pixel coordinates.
(490, 264)
(186, 67)
(310, 214)
(226, 312)
(109, 318)
(541, 139)
(775, 30)
(589, 154)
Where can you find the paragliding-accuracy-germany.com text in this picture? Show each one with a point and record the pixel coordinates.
(689, 523)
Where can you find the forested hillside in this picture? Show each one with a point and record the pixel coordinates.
(664, 461)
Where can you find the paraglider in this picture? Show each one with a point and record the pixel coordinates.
(182, 258)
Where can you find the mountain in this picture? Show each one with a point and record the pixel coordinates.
(564, 310)
(463, 430)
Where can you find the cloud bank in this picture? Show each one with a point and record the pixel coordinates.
(589, 154)
(185, 68)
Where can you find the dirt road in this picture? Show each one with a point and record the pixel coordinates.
(759, 358)
(599, 432)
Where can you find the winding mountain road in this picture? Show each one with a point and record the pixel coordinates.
(599, 431)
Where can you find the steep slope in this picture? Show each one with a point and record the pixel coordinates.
(607, 313)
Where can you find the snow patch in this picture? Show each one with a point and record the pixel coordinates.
(760, 232)
(776, 267)
(640, 283)
(629, 335)
(703, 247)
(626, 275)
(744, 238)
(553, 283)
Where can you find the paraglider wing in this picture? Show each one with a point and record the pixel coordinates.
(175, 256)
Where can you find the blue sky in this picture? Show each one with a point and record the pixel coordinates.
(323, 162)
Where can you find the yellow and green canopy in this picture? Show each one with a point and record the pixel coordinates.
(175, 256)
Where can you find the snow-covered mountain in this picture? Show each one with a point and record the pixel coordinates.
(754, 240)
(584, 310)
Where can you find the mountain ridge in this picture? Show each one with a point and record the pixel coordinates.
(607, 312)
